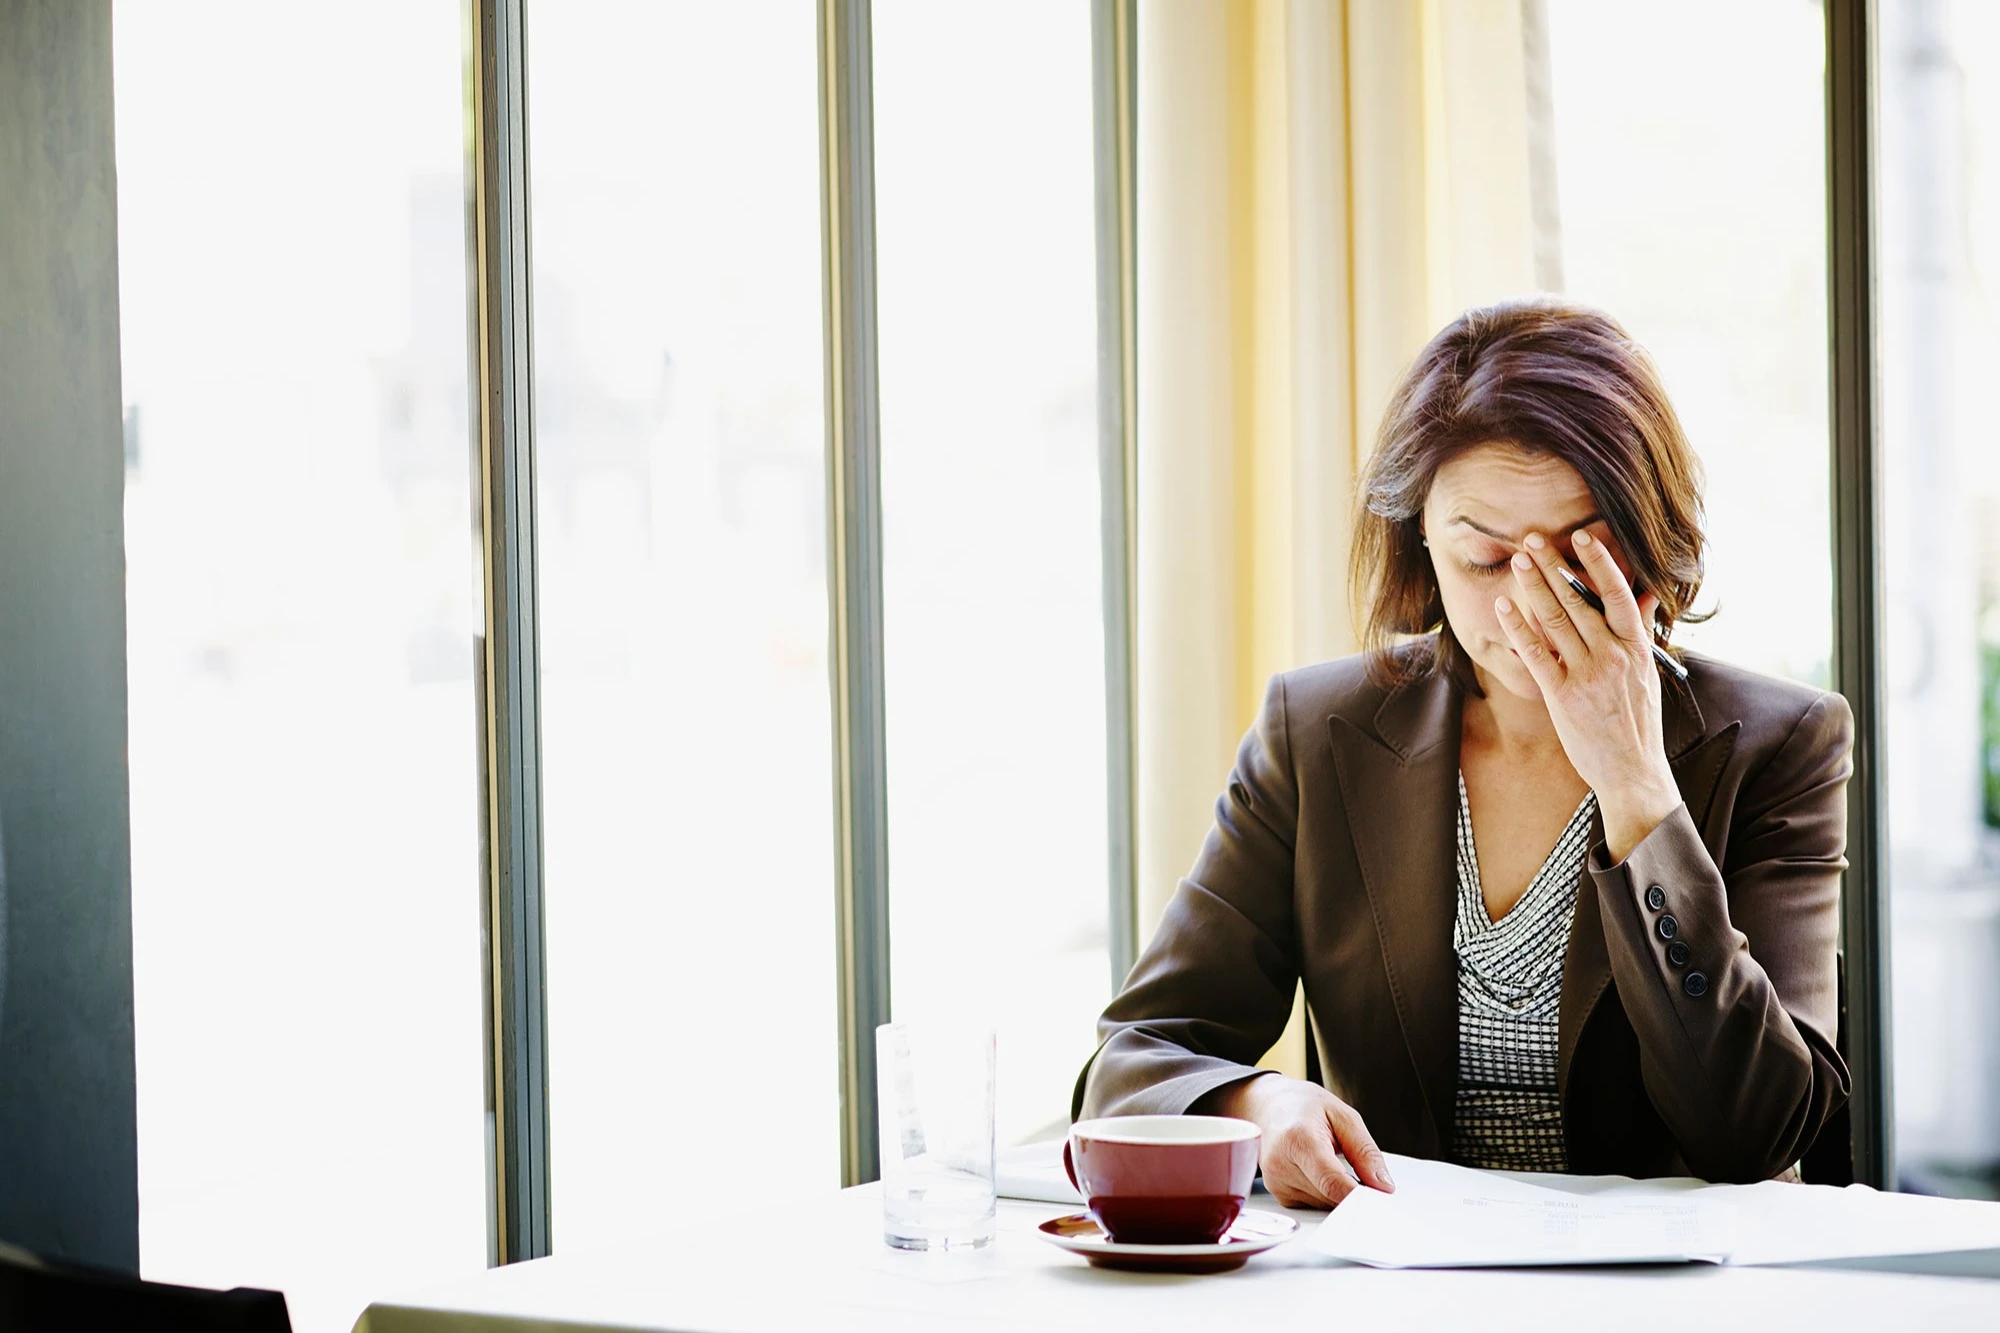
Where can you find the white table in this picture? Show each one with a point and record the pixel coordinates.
(821, 1263)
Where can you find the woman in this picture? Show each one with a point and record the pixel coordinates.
(1553, 908)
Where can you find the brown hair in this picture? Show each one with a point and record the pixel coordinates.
(1549, 377)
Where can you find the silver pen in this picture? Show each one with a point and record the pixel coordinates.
(1596, 604)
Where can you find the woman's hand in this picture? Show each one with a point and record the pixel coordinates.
(1306, 1132)
(1598, 679)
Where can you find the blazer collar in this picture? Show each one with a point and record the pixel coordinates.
(1681, 723)
(1398, 773)
(1398, 779)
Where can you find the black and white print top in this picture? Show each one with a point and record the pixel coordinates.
(1509, 985)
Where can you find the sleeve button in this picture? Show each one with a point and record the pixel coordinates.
(1696, 985)
(1677, 953)
(1656, 897)
(1668, 927)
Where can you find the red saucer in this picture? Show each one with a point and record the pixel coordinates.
(1254, 1231)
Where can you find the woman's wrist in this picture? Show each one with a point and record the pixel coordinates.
(1238, 1100)
(1632, 811)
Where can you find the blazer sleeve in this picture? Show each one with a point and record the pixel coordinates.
(1735, 1026)
(1212, 992)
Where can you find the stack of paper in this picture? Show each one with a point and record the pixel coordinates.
(1035, 1171)
(1444, 1216)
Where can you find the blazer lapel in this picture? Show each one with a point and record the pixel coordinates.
(1398, 777)
(1697, 759)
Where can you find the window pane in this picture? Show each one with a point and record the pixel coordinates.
(1691, 178)
(1938, 196)
(685, 716)
(993, 601)
(301, 612)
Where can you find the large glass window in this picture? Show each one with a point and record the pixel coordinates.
(993, 604)
(1938, 208)
(1691, 177)
(301, 610)
(1693, 207)
(685, 716)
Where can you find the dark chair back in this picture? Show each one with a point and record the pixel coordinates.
(1312, 1052)
(41, 1296)
(1830, 1161)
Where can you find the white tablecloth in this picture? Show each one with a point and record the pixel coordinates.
(821, 1263)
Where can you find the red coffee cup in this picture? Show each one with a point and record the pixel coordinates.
(1163, 1179)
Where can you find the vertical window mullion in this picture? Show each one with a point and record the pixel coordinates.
(854, 512)
(1112, 60)
(1857, 572)
(509, 662)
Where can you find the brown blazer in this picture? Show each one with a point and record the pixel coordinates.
(1332, 861)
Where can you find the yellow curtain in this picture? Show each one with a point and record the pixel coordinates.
(1321, 185)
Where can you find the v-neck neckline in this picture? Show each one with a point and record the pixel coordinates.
(1477, 888)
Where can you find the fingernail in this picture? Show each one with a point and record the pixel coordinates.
(1502, 604)
(1535, 540)
(1521, 560)
(1583, 539)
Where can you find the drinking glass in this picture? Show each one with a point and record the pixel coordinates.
(934, 1095)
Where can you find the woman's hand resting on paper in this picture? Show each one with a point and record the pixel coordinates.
(1310, 1138)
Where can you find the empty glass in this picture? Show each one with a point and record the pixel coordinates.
(934, 1094)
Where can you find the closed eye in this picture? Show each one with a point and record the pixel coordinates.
(1474, 567)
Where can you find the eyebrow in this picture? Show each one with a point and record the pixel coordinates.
(1502, 537)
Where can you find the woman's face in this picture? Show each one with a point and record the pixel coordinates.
(1482, 506)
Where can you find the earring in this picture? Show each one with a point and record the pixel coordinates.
(1424, 541)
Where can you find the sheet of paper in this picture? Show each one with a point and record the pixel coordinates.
(1443, 1216)
(1034, 1171)
(1789, 1224)
(1777, 1222)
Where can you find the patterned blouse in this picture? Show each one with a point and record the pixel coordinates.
(1509, 985)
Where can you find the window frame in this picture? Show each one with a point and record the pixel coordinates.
(509, 658)
(1857, 573)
